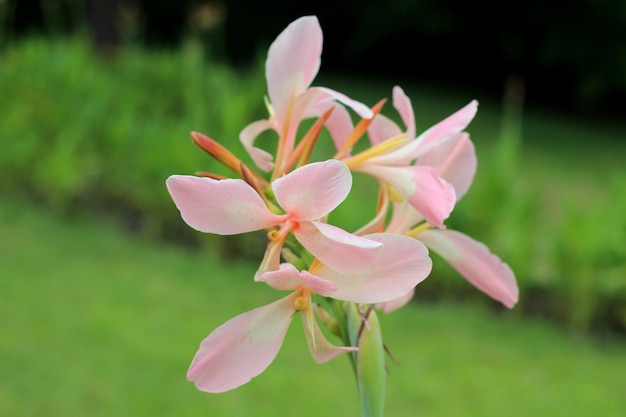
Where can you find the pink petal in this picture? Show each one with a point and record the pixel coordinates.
(402, 103)
(241, 348)
(400, 267)
(293, 61)
(447, 128)
(455, 161)
(314, 190)
(262, 159)
(224, 207)
(393, 305)
(340, 250)
(321, 349)
(475, 262)
(287, 277)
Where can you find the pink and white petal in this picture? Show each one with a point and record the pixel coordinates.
(455, 162)
(293, 61)
(321, 349)
(434, 198)
(223, 207)
(340, 250)
(262, 159)
(313, 190)
(400, 267)
(475, 262)
(403, 105)
(447, 128)
(393, 305)
(381, 129)
(241, 348)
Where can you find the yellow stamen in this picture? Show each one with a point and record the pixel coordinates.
(417, 229)
(315, 265)
(394, 195)
(300, 303)
(273, 235)
(376, 150)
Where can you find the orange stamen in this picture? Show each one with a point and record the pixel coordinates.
(305, 147)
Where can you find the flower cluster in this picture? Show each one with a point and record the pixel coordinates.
(421, 177)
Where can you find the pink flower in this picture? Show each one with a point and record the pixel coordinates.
(292, 63)
(398, 158)
(246, 345)
(232, 206)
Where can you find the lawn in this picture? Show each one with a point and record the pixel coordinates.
(100, 323)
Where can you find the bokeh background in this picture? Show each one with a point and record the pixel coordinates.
(105, 293)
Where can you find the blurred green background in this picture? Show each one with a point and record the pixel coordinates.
(105, 293)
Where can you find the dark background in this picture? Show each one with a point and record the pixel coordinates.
(571, 55)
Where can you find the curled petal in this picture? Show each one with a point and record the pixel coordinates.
(447, 128)
(399, 268)
(262, 159)
(340, 250)
(314, 190)
(321, 349)
(434, 198)
(475, 262)
(241, 348)
(429, 194)
(223, 207)
(293, 61)
(287, 277)
(455, 162)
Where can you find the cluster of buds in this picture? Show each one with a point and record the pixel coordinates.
(333, 277)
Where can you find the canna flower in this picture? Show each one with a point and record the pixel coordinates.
(309, 193)
(246, 345)
(292, 63)
(396, 158)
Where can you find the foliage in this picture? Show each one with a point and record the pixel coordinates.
(81, 134)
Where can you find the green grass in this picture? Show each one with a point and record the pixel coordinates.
(98, 323)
